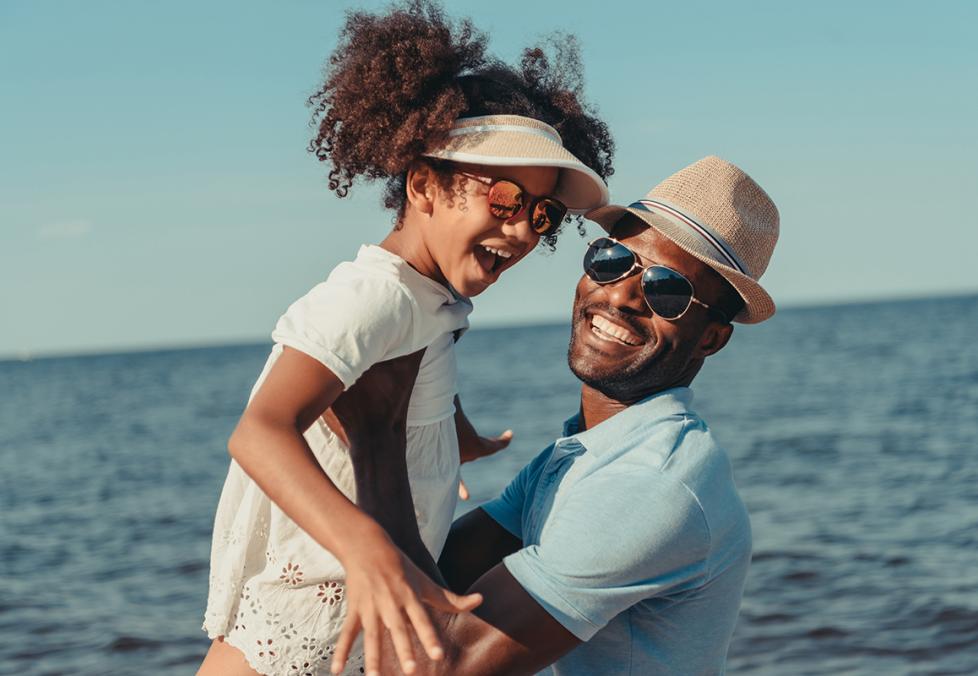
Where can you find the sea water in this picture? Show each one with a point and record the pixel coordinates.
(853, 432)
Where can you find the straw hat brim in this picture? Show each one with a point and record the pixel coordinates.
(579, 187)
(758, 304)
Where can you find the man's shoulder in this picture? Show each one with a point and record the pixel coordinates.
(676, 444)
(675, 466)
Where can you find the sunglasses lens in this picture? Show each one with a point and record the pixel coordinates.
(667, 292)
(607, 260)
(505, 199)
(547, 215)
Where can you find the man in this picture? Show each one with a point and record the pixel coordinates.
(623, 547)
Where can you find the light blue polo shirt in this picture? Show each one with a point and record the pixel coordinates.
(634, 539)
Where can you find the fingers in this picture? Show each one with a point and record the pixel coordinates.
(351, 627)
(459, 603)
(402, 642)
(392, 601)
(425, 631)
(463, 490)
(443, 599)
(371, 646)
(500, 442)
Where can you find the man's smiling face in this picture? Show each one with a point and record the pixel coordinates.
(620, 347)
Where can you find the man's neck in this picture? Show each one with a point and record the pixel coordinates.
(596, 408)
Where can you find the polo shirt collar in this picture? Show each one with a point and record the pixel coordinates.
(608, 434)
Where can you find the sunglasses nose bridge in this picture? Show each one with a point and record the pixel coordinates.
(626, 293)
(520, 227)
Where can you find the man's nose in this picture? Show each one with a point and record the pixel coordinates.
(627, 294)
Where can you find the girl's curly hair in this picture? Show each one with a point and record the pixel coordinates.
(398, 81)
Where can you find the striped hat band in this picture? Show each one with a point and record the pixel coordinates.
(723, 252)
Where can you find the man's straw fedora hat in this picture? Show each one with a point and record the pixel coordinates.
(518, 141)
(715, 212)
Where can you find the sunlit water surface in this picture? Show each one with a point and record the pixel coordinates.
(852, 429)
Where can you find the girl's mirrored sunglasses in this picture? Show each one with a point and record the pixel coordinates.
(507, 198)
(667, 292)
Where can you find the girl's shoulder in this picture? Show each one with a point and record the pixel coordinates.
(368, 310)
(382, 271)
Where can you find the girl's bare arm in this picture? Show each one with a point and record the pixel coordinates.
(383, 586)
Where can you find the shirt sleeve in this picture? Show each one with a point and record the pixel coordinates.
(507, 510)
(348, 324)
(618, 539)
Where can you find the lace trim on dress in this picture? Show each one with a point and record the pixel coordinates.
(275, 647)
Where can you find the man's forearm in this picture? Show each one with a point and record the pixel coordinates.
(371, 417)
(384, 492)
(510, 633)
(464, 652)
(475, 544)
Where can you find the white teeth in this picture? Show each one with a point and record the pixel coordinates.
(497, 252)
(603, 326)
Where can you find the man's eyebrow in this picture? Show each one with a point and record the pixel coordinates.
(651, 261)
(644, 260)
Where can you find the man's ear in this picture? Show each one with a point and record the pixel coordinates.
(421, 187)
(715, 336)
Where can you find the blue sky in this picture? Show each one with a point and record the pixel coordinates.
(155, 188)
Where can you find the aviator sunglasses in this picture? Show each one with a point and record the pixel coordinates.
(667, 293)
(507, 198)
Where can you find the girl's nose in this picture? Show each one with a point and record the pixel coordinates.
(518, 226)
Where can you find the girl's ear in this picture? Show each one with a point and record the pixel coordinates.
(421, 187)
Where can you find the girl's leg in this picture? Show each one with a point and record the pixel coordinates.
(225, 660)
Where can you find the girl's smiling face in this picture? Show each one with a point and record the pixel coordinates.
(469, 247)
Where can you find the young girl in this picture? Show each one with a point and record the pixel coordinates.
(481, 162)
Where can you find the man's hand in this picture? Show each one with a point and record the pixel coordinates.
(391, 576)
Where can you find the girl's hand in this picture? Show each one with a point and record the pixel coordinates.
(383, 589)
(480, 447)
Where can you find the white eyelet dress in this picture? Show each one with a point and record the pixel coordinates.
(275, 594)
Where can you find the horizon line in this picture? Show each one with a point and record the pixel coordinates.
(179, 346)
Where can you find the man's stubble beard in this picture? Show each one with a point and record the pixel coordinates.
(643, 374)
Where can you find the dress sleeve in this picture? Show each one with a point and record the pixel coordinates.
(617, 540)
(349, 324)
